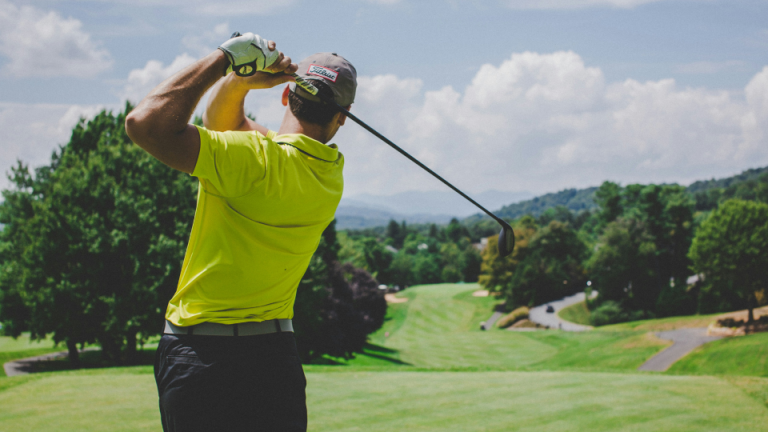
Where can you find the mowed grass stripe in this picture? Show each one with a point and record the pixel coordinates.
(439, 328)
(527, 401)
(126, 400)
(438, 331)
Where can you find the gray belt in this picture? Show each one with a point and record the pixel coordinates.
(241, 329)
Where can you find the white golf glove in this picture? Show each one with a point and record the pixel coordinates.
(248, 54)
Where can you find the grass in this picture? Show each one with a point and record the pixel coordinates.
(438, 328)
(125, 399)
(576, 313)
(742, 355)
(436, 371)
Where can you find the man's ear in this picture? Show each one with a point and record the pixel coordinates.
(342, 116)
(285, 95)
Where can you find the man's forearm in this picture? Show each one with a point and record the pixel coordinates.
(160, 123)
(225, 108)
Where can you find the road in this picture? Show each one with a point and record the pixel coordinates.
(685, 340)
(539, 314)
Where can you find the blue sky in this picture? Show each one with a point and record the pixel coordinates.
(515, 95)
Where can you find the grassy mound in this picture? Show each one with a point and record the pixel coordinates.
(576, 313)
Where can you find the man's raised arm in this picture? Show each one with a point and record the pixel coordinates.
(160, 123)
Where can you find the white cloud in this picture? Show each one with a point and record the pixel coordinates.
(203, 44)
(574, 4)
(40, 43)
(142, 81)
(217, 8)
(31, 132)
(542, 122)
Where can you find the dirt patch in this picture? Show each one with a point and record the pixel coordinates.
(742, 314)
(390, 298)
(734, 327)
(525, 324)
(480, 293)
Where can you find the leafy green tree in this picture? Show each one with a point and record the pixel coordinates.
(551, 269)
(731, 251)
(94, 241)
(608, 197)
(337, 305)
(427, 268)
(450, 255)
(496, 271)
(397, 233)
(622, 269)
(469, 264)
(455, 231)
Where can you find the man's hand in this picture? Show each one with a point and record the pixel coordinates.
(248, 53)
(225, 105)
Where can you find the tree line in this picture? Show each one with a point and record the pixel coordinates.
(638, 250)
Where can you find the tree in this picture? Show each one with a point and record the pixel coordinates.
(93, 243)
(731, 251)
(608, 197)
(397, 233)
(455, 231)
(496, 271)
(622, 269)
(337, 305)
(551, 269)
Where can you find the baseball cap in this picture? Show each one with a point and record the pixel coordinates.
(334, 71)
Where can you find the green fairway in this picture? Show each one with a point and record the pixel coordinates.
(743, 355)
(125, 399)
(576, 313)
(439, 328)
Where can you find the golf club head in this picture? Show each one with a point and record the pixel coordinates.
(506, 239)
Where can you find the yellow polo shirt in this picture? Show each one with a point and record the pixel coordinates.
(262, 204)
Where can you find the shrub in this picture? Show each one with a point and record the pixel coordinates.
(512, 317)
(611, 312)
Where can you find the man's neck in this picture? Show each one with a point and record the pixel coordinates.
(292, 125)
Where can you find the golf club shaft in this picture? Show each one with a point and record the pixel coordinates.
(313, 90)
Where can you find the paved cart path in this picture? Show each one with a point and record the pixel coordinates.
(539, 314)
(685, 341)
(27, 365)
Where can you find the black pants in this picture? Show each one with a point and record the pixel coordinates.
(221, 383)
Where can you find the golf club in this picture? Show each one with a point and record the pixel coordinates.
(506, 236)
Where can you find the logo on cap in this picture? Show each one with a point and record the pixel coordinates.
(323, 72)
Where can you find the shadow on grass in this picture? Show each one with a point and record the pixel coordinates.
(369, 350)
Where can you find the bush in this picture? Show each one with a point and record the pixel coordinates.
(512, 317)
(611, 312)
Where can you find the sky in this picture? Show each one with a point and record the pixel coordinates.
(510, 95)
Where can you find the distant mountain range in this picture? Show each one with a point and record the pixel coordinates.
(366, 210)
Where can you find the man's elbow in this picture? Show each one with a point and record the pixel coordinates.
(137, 127)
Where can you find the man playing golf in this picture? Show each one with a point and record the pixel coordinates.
(227, 360)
